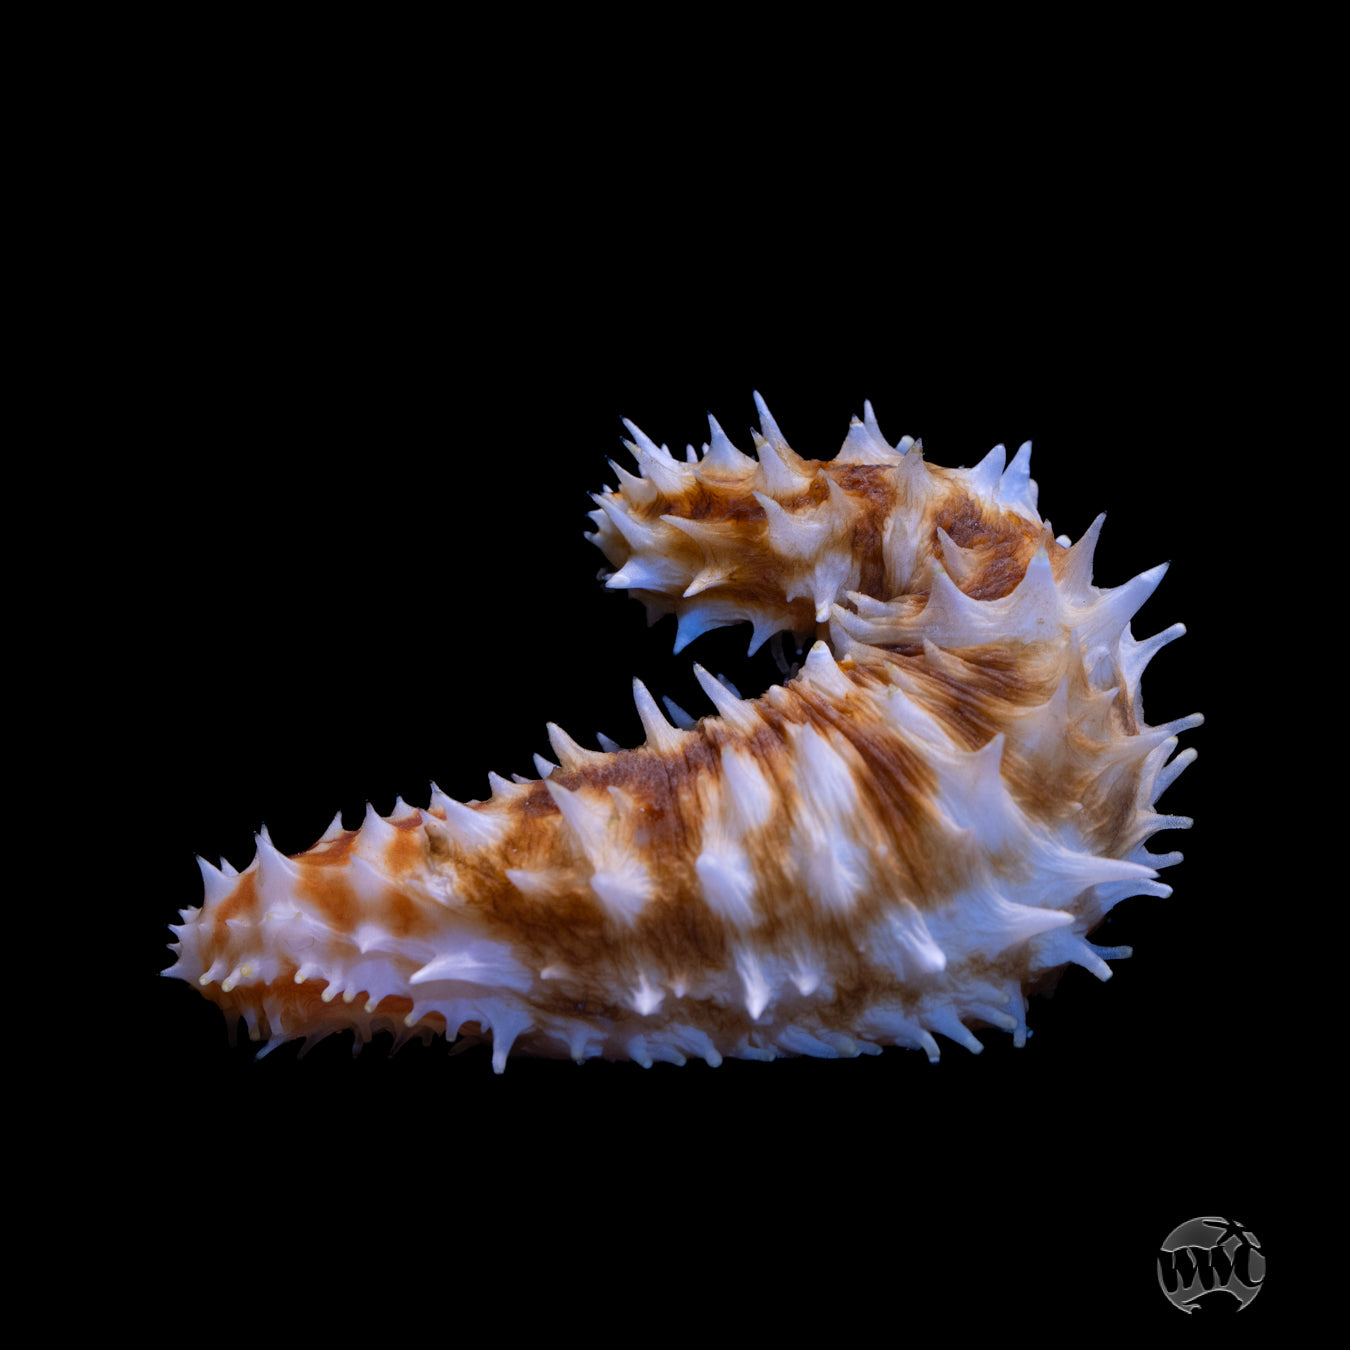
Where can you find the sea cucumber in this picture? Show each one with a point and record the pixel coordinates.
(927, 819)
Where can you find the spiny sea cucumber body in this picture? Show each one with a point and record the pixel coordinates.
(926, 820)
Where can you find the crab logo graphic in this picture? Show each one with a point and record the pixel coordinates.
(1203, 1256)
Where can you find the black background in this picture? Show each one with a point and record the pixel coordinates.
(373, 392)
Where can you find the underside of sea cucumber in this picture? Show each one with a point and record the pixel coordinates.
(926, 820)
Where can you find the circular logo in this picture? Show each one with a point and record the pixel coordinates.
(1210, 1262)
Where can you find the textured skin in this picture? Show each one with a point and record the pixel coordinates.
(926, 820)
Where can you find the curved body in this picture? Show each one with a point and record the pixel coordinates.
(928, 818)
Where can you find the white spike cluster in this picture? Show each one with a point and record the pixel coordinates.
(935, 813)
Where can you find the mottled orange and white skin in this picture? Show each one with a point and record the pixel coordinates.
(928, 819)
